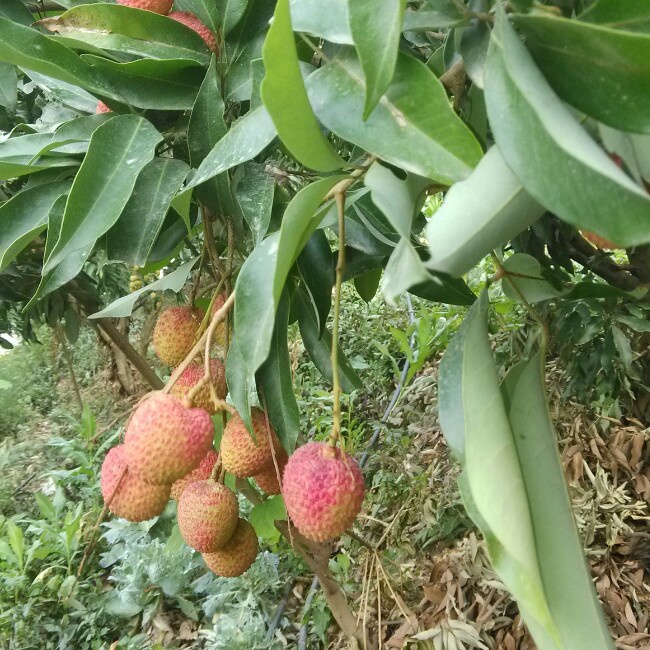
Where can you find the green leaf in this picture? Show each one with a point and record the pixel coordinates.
(247, 137)
(132, 31)
(630, 16)
(633, 148)
(16, 541)
(526, 280)
(262, 277)
(16, 11)
(24, 217)
(636, 324)
(241, 385)
(254, 191)
(474, 42)
(404, 270)
(169, 84)
(207, 126)
(132, 237)
(413, 127)
(28, 48)
(265, 514)
(326, 20)
(230, 13)
(614, 89)
(478, 215)
(8, 87)
(434, 15)
(376, 29)
(367, 284)
(284, 95)
(118, 151)
(71, 326)
(565, 574)
(276, 381)
(319, 346)
(65, 93)
(123, 306)
(569, 174)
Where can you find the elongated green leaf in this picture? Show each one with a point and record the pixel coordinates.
(16, 11)
(241, 384)
(569, 174)
(367, 284)
(262, 277)
(439, 14)
(16, 166)
(207, 126)
(328, 21)
(630, 16)
(376, 29)
(614, 89)
(123, 29)
(230, 13)
(565, 574)
(8, 86)
(254, 191)
(264, 515)
(65, 93)
(28, 48)
(319, 346)
(526, 280)
(24, 217)
(132, 237)
(169, 84)
(123, 306)
(413, 126)
(479, 214)
(284, 95)
(118, 151)
(16, 541)
(248, 136)
(276, 381)
(404, 270)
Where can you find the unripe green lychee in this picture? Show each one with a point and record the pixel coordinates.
(207, 515)
(236, 556)
(157, 6)
(193, 374)
(240, 454)
(202, 472)
(267, 479)
(190, 20)
(323, 490)
(165, 440)
(134, 500)
(173, 336)
(102, 108)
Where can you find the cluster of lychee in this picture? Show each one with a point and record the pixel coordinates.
(168, 452)
(164, 7)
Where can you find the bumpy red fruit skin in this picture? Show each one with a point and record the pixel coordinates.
(237, 555)
(157, 6)
(207, 515)
(598, 241)
(191, 21)
(134, 500)
(102, 108)
(241, 455)
(323, 491)
(193, 374)
(267, 479)
(173, 336)
(164, 440)
(202, 472)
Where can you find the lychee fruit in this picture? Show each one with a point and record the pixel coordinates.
(102, 108)
(190, 20)
(267, 479)
(598, 241)
(240, 454)
(193, 374)
(202, 472)
(323, 490)
(157, 6)
(236, 556)
(207, 515)
(220, 332)
(173, 336)
(134, 499)
(165, 440)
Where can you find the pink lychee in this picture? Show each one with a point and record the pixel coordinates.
(193, 374)
(237, 555)
(267, 479)
(202, 472)
(173, 336)
(157, 6)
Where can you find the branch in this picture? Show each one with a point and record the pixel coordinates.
(44, 5)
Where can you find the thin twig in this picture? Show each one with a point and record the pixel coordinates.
(302, 636)
(279, 612)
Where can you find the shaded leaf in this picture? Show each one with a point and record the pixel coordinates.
(525, 279)
(367, 284)
(254, 192)
(240, 383)
(630, 16)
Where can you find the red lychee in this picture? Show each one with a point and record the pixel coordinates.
(267, 479)
(323, 490)
(134, 500)
(157, 6)
(598, 241)
(193, 374)
(173, 336)
(202, 472)
(102, 108)
(207, 515)
(190, 20)
(165, 441)
(241, 455)
(237, 555)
